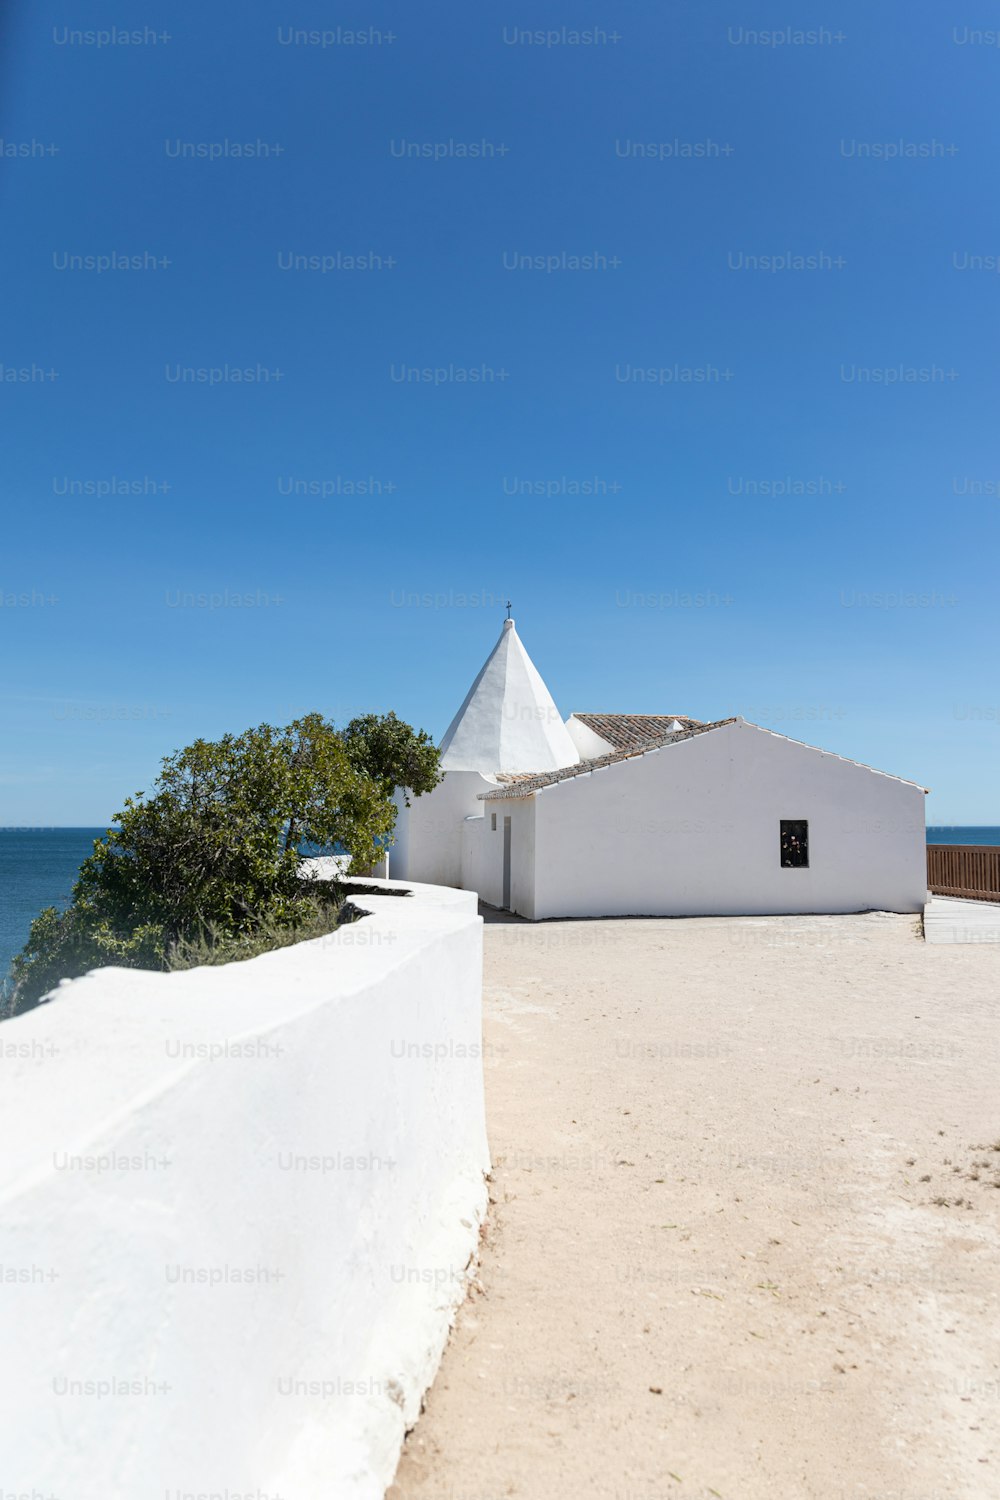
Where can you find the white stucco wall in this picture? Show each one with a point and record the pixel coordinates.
(428, 845)
(399, 851)
(472, 852)
(521, 812)
(693, 829)
(246, 1194)
(490, 855)
(522, 884)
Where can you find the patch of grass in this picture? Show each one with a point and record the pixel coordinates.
(324, 916)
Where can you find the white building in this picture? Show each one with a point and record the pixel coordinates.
(652, 814)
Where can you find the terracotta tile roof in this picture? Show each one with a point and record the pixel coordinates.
(525, 786)
(622, 731)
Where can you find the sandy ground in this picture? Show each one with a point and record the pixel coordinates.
(740, 1246)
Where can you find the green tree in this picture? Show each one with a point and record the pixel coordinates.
(211, 854)
(393, 754)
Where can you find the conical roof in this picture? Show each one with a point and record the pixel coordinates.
(508, 721)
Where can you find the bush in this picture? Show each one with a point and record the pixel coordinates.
(209, 862)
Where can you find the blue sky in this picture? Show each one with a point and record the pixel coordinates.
(793, 469)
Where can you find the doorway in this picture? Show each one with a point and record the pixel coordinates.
(506, 864)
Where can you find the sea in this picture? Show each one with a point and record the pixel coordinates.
(38, 867)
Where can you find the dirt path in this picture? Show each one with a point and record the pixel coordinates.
(715, 1266)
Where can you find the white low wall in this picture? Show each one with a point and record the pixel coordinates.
(238, 1204)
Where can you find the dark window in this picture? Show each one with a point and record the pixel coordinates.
(493, 822)
(794, 844)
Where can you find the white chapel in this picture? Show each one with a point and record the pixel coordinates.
(618, 814)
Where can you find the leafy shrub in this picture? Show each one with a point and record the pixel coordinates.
(208, 863)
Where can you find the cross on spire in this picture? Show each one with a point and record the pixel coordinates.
(508, 609)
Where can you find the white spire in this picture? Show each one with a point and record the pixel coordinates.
(508, 721)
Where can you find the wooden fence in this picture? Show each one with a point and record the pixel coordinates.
(971, 870)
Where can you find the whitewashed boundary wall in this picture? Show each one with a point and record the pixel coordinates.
(237, 1208)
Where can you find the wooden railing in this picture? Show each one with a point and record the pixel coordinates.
(970, 870)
